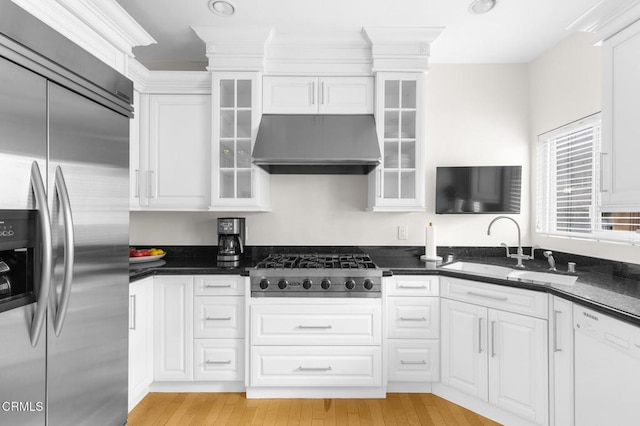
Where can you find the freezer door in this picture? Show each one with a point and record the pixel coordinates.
(87, 349)
(22, 140)
(23, 133)
(22, 370)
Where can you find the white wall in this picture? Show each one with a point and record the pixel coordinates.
(566, 85)
(476, 115)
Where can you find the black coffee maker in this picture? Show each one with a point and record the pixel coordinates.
(230, 240)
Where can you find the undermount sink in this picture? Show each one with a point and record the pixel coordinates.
(479, 268)
(543, 277)
(510, 273)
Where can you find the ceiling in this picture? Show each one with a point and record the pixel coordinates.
(515, 31)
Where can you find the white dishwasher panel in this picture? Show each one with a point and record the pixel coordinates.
(607, 370)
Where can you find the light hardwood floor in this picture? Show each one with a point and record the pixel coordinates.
(398, 409)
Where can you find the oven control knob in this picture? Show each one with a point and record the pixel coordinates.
(282, 284)
(325, 284)
(368, 284)
(264, 283)
(306, 284)
(350, 284)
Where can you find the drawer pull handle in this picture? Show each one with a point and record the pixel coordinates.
(218, 362)
(218, 319)
(487, 296)
(301, 368)
(217, 286)
(412, 319)
(480, 335)
(411, 286)
(403, 362)
(493, 339)
(321, 327)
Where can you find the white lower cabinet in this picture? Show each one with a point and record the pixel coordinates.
(140, 339)
(219, 359)
(413, 330)
(218, 317)
(173, 331)
(496, 356)
(316, 366)
(219, 324)
(302, 342)
(562, 353)
(316, 324)
(414, 360)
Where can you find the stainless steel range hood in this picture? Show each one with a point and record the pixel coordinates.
(317, 144)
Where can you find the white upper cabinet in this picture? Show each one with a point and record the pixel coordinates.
(170, 167)
(236, 184)
(398, 184)
(179, 146)
(317, 95)
(621, 131)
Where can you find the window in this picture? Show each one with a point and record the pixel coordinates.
(568, 193)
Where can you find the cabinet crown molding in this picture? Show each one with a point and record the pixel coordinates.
(607, 18)
(235, 49)
(318, 51)
(102, 27)
(401, 48)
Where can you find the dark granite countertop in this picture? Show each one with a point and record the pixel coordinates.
(612, 288)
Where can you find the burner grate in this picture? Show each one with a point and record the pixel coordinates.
(317, 261)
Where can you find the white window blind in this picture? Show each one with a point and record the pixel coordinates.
(567, 198)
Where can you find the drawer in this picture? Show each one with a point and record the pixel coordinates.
(414, 360)
(413, 317)
(412, 285)
(218, 317)
(219, 285)
(218, 359)
(505, 298)
(316, 366)
(316, 324)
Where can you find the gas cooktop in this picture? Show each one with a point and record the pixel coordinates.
(316, 275)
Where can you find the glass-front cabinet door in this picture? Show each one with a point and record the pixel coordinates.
(236, 183)
(398, 183)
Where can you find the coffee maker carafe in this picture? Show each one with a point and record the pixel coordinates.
(230, 240)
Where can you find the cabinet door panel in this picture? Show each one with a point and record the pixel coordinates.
(414, 360)
(236, 184)
(398, 184)
(216, 317)
(179, 151)
(219, 359)
(413, 317)
(620, 124)
(316, 366)
(346, 95)
(140, 339)
(290, 95)
(561, 341)
(518, 364)
(464, 347)
(412, 285)
(307, 324)
(173, 328)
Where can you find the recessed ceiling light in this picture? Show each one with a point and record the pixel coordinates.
(478, 7)
(222, 7)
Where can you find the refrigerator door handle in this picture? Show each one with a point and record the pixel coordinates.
(69, 250)
(44, 222)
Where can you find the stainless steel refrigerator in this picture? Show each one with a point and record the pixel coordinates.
(64, 225)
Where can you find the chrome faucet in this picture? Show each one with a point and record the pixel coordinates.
(552, 262)
(520, 254)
